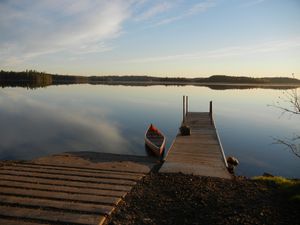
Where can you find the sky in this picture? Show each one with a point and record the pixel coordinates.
(191, 38)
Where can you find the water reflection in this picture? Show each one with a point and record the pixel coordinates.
(114, 119)
(216, 86)
(31, 128)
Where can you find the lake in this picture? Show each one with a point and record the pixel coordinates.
(103, 118)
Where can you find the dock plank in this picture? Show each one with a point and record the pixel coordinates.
(199, 153)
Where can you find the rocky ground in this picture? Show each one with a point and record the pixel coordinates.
(186, 199)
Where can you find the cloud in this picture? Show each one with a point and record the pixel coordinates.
(154, 10)
(33, 28)
(266, 47)
(201, 7)
(169, 20)
(193, 10)
(30, 29)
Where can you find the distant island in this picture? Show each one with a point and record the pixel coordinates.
(34, 79)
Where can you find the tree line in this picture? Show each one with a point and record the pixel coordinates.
(32, 78)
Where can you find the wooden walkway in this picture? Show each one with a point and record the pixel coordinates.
(72, 188)
(201, 152)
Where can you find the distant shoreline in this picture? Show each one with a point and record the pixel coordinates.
(149, 83)
(34, 79)
(211, 85)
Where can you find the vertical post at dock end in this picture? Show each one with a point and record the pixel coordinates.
(211, 112)
(183, 110)
(186, 105)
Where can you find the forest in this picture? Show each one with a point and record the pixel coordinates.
(34, 79)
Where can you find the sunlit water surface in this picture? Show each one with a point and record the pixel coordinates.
(114, 119)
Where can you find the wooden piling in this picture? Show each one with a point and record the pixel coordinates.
(211, 112)
(186, 105)
(183, 109)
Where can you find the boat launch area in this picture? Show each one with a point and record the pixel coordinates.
(85, 187)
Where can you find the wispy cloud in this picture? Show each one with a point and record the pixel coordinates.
(158, 8)
(231, 51)
(201, 7)
(193, 10)
(32, 28)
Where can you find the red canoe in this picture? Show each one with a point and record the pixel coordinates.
(155, 140)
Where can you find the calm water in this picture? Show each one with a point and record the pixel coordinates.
(114, 118)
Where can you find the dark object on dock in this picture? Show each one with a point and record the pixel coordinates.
(155, 140)
(185, 130)
(232, 163)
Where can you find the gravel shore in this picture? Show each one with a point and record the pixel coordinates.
(186, 199)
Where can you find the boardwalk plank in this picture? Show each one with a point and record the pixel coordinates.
(74, 173)
(74, 190)
(68, 177)
(14, 221)
(50, 216)
(77, 169)
(64, 183)
(60, 196)
(55, 204)
(69, 188)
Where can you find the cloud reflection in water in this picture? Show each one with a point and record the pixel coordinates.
(31, 128)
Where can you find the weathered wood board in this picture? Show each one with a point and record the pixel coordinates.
(70, 188)
(199, 153)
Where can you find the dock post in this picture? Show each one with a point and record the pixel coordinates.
(186, 105)
(183, 110)
(210, 112)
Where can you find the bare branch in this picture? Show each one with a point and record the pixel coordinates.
(292, 101)
(290, 144)
(289, 103)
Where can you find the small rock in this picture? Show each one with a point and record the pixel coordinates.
(230, 168)
(232, 160)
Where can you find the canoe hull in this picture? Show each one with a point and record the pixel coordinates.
(156, 149)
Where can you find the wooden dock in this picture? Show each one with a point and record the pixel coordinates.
(201, 152)
(72, 188)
